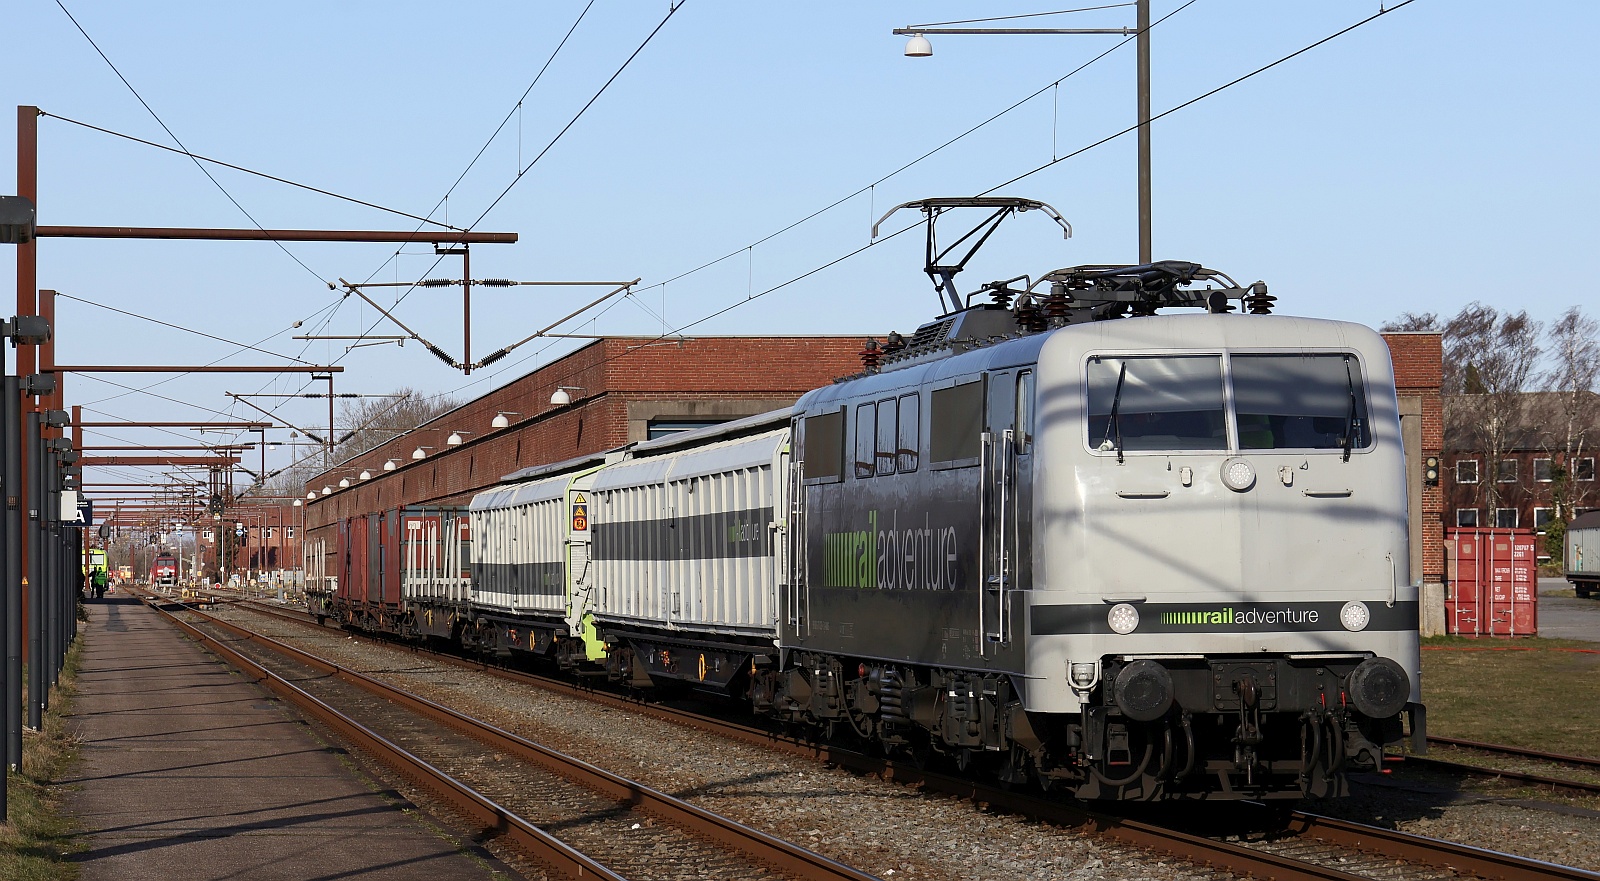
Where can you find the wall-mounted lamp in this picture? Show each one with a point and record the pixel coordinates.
(389, 465)
(365, 474)
(299, 502)
(500, 420)
(309, 496)
(327, 490)
(455, 438)
(419, 453)
(561, 398)
(344, 483)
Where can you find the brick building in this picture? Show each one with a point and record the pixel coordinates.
(621, 389)
(1418, 377)
(1535, 480)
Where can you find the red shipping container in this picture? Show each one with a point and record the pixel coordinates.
(1492, 582)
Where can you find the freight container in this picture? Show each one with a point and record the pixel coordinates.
(1492, 582)
(689, 540)
(1583, 554)
(435, 553)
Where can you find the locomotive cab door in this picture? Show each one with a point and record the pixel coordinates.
(1006, 468)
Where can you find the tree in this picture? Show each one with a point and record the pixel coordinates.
(1569, 424)
(1490, 361)
(366, 423)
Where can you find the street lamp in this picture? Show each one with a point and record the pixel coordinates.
(919, 47)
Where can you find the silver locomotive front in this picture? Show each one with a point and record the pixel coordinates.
(1221, 592)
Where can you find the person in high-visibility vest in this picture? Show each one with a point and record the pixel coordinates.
(100, 580)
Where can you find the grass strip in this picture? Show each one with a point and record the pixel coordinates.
(1541, 697)
(37, 842)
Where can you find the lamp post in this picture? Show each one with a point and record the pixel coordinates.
(919, 47)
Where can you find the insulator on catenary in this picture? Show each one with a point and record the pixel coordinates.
(440, 354)
(493, 357)
(437, 283)
(496, 282)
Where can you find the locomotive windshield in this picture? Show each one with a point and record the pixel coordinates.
(1300, 402)
(1157, 403)
(1178, 402)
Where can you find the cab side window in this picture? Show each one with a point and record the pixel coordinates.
(888, 425)
(908, 441)
(866, 440)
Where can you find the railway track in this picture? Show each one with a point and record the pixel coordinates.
(1499, 754)
(426, 743)
(1307, 846)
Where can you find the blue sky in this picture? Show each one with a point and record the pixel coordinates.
(1437, 155)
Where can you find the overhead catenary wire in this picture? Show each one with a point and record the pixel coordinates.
(197, 163)
(199, 333)
(1102, 141)
(250, 171)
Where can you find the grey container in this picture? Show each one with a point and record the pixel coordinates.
(691, 539)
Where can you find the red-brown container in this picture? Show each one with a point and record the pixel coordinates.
(1492, 582)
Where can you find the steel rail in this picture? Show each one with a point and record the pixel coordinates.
(1580, 761)
(1460, 857)
(1501, 773)
(1146, 836)
(1385, 842)
(782, 855)
(559, 857)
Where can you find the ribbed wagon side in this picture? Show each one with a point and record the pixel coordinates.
(687, 555)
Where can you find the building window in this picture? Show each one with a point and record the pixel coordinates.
(1467, 471)
(1507, 472)
(1467, 517)
(1542, 517)
(288, 532)
(1583, 469)
(1541, 470)
(1505, 518)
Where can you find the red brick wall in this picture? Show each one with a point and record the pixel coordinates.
(1418, 373)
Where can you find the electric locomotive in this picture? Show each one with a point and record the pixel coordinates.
(1118, 530)
(1154, 557)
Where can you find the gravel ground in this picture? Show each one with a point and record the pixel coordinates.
(885, 829)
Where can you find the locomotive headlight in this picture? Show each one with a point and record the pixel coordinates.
(1238, 475)
(1123, 618)
(1354, 616)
